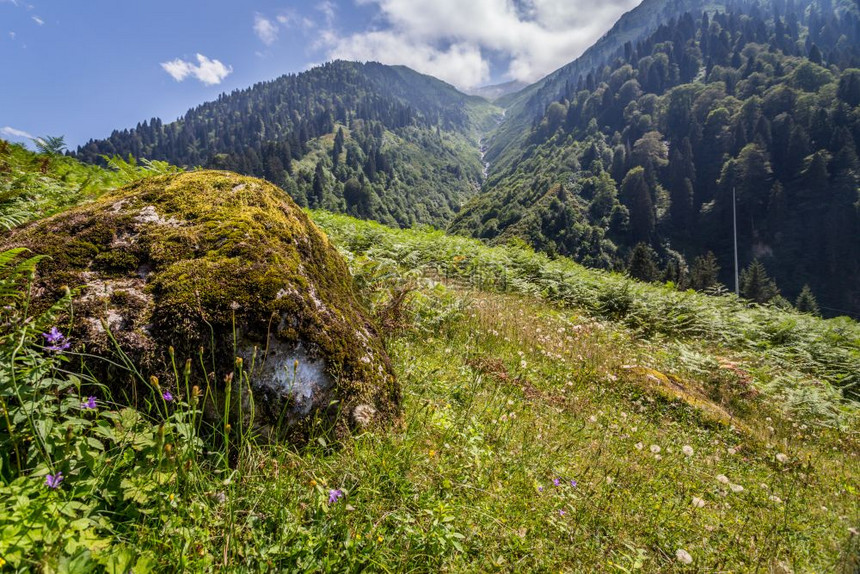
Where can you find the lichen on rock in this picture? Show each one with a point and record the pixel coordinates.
(226, 263)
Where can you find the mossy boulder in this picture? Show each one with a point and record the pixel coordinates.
(216, 266)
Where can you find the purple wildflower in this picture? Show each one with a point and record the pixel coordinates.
(90, 403)
(167, 396)
(540, 489)
(56, 340)
(53, 336)
(556, 481)
(334, 495)
(54, 480)
(573, 483)
(561, 512)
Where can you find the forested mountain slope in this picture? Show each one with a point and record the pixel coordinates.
(761, 99)
(381, 142)
(530, 103)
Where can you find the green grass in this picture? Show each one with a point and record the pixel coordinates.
(516, 371)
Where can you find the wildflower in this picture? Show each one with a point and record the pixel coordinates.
(781, 457)
(722, 478)
(573, 483)
(561, 512)
(556, 481)
(379, 538)
(334, 495)
(683, 556)
(167, 396)
(312, 483)
(90, 403)
(639, 446)
(775, 498)
(56, 340)
(54, 480)
(732, 451)
(540, 489)
(432, 453)
(609, 480)
(698, 502)
(736, 488)
(655, 449)
(688, 450)
(2, 563)
(53, 336)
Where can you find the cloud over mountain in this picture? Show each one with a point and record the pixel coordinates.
(459, 41)
(209, 72)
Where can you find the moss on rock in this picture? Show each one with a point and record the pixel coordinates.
(225, 263)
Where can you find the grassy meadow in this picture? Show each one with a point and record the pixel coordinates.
(555, 419)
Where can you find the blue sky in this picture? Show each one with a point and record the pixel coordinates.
(81, 68)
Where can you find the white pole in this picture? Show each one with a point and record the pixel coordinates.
(735, 226)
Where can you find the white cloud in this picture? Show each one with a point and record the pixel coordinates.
(460, 64)
(327, 8)
(12, 35)
(210, 72)
(455, 40)
(38, 20)
(265, 29)
(15, 133)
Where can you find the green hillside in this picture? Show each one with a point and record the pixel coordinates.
(380, 142)
(649, 147)
(555, 418)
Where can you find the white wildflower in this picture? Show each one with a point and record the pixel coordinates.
(722, 478)
(698, 502)
(688, 450)
(736, 488)
(363, 415)
(655, 448)
(782, 457)
(774, 498)
(639, 446)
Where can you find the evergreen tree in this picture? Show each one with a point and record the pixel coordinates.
(705, 272)
(643, 263)
(318, 185)
(637, 197)
(756, 285)
(806, 302)
(338, 147)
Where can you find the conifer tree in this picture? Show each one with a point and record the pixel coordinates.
(756, 285)
(637, 197)
(705, 272)
(338, 147)
(806, 302)
(643, 263)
